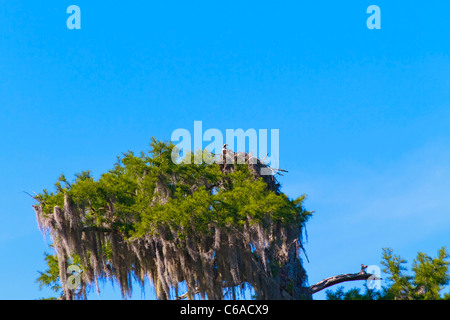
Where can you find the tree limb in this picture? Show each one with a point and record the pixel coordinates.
(331, 281)
(319, 286)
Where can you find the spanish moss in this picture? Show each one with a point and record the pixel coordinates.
(212, 229)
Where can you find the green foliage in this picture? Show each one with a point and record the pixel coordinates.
(148, 194)
(126, 195)
(50, 277)
(431, 275)
(429, 278)
(353, 294)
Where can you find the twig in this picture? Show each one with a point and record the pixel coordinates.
(30, 195)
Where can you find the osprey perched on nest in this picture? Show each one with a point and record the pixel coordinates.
(227, 155)
(256, 166)
(224, 151)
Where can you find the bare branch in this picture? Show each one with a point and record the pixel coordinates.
(331, 281)
(30, 195)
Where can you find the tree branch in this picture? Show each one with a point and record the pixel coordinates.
(319, 286)
(331, 281)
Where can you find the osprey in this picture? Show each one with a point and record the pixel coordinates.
(224, 153)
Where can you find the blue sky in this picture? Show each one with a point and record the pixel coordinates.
(363, 114)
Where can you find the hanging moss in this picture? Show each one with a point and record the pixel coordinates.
(210, 227)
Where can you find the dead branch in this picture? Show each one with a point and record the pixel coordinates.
(331, 281)
(319, 286)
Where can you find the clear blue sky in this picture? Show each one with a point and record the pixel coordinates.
(364, 115)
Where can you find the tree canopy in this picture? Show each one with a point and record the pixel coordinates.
(214, 228)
